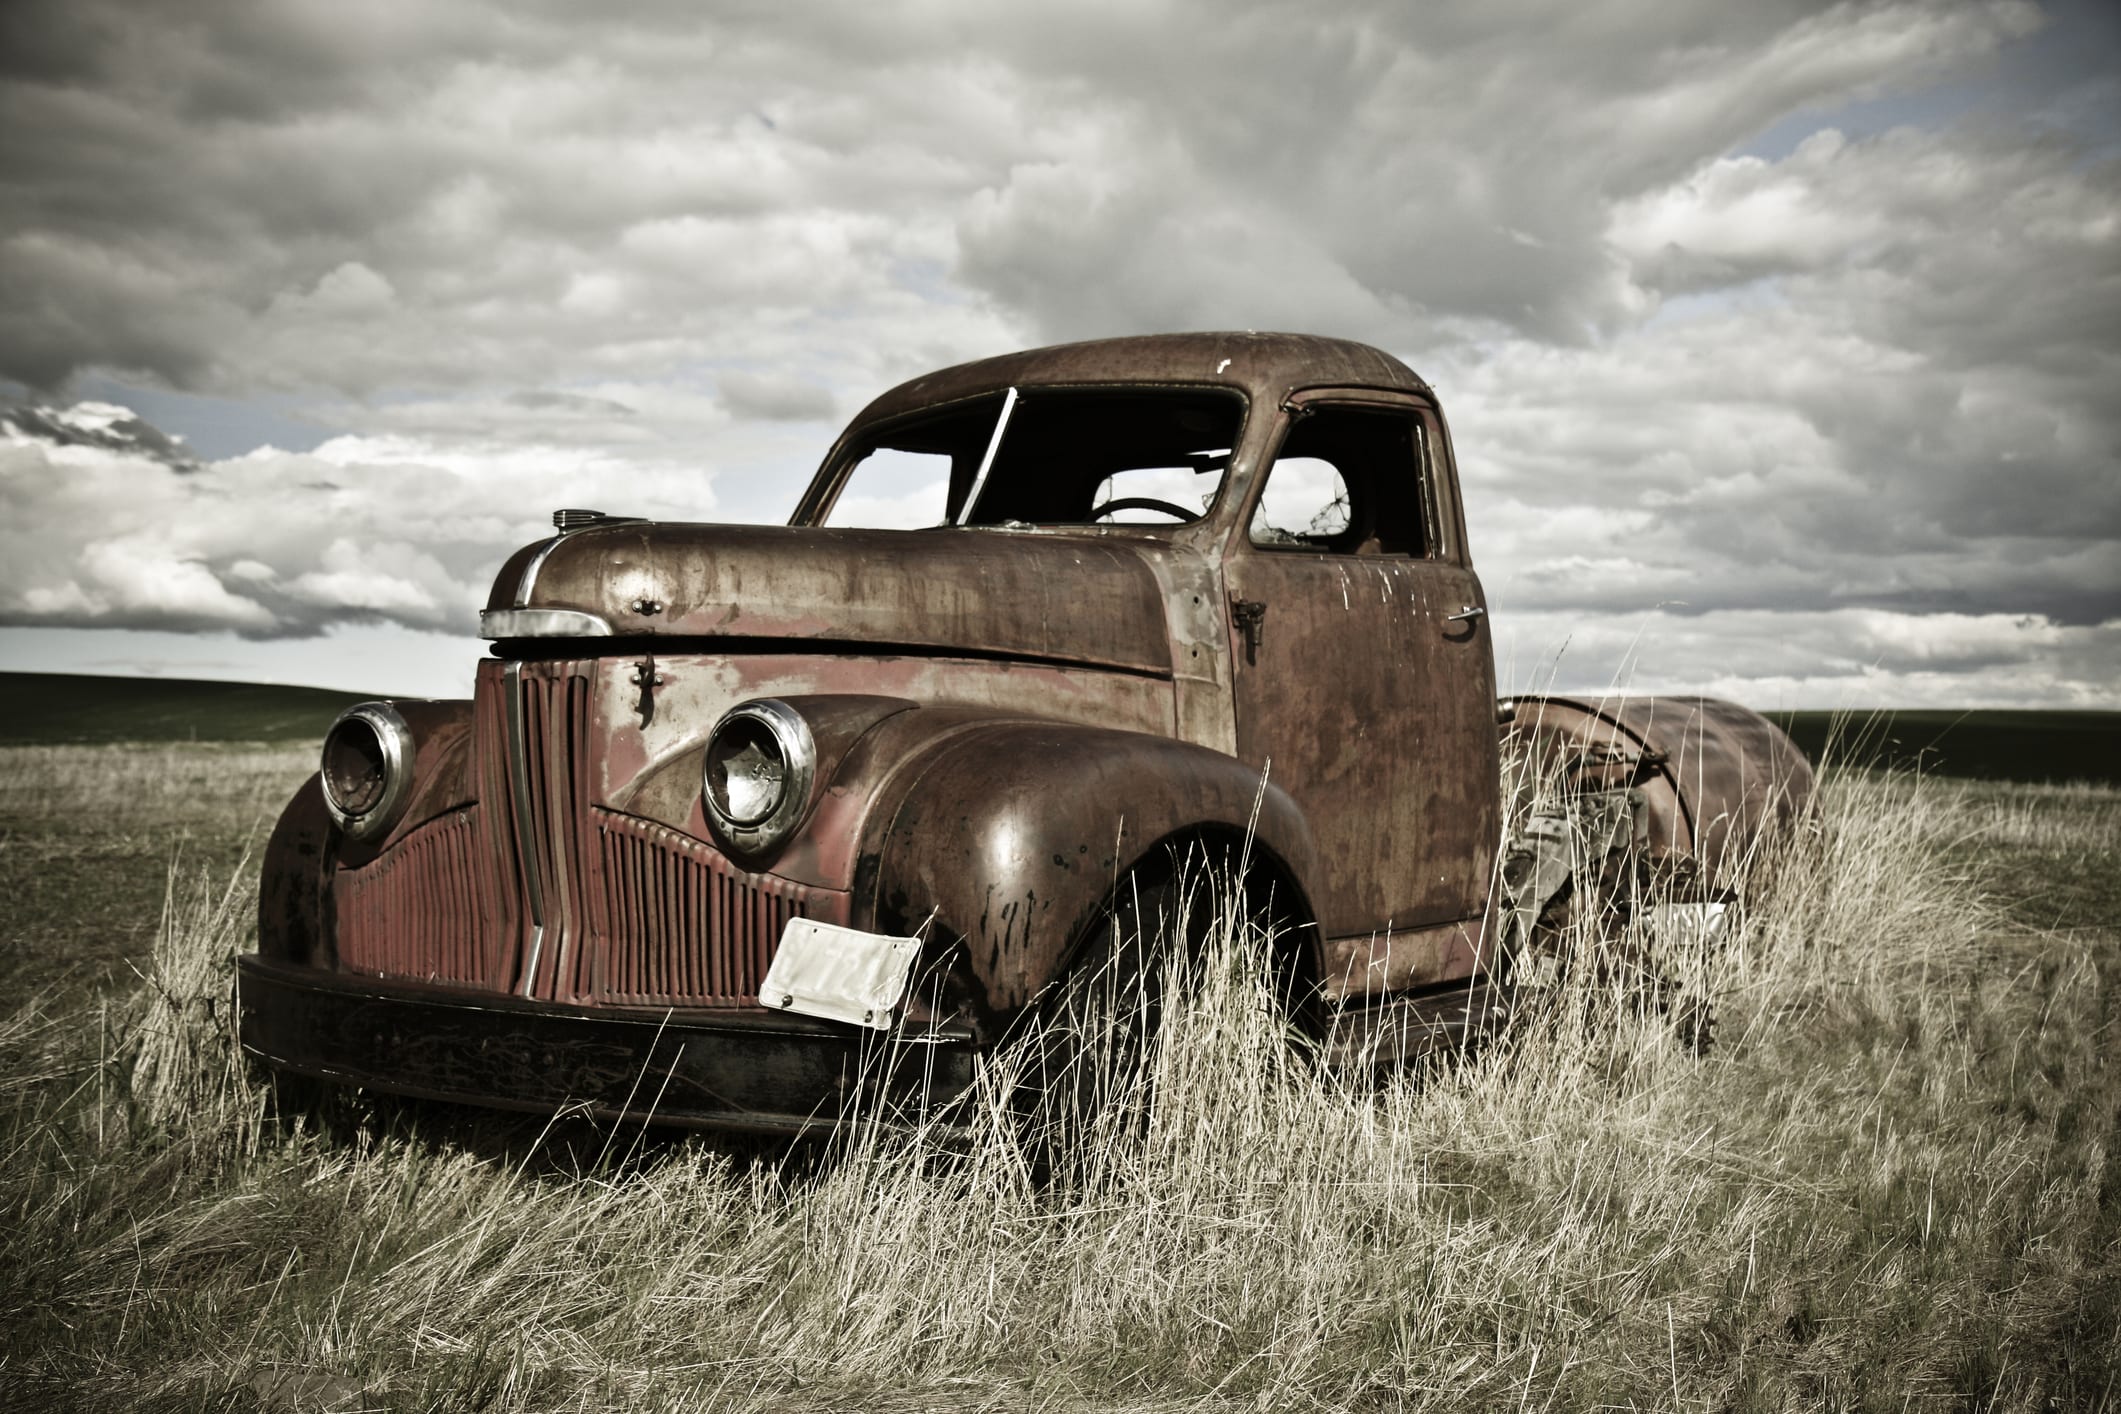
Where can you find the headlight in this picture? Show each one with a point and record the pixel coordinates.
(760, 764)
(367, 769)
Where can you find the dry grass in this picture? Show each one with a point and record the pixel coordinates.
(1891, 1186)
(148, 785)
(87, 834)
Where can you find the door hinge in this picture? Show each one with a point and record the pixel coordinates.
(1246, 615)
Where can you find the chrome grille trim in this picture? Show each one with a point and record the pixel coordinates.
(526, 831)
(528, 585)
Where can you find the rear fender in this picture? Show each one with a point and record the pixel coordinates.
(1013, 835)
(1719, 782)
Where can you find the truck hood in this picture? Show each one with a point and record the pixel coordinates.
(1082, 599)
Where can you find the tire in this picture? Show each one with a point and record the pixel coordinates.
(1091, 1039)
(1088, 1084)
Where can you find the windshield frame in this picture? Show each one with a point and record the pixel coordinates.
(815, 507)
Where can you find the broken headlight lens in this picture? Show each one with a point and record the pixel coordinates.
(367, 769)
(756, 782)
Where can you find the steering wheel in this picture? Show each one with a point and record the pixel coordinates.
(1140, 503)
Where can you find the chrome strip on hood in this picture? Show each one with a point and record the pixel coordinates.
(542, 623)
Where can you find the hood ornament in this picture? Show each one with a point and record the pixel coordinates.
(577, 519)
(647, 680)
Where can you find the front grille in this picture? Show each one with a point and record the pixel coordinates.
(551, 800)
(615, 909)
(426, 909)
(673, 922)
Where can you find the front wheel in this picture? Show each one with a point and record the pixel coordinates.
(1089, 1048)
(1184, 956)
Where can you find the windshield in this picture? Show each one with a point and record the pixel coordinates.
(1100, 456)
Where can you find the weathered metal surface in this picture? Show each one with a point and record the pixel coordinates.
(1716, 779)
(995, 723)
(1377, 717)
(654, 771)
(1066, 599)
(1367, 965)
(673, 921)
(295, 923)
(1266, 367)
(1015, 833)
(630, 909)
(1366, 688)
(427, 908)
(751, 1069)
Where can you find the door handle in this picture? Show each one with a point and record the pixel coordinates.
(1466, 615)
(1248, 615)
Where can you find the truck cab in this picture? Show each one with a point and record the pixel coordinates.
(734, 810)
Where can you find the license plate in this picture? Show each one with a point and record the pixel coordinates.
(841, 974)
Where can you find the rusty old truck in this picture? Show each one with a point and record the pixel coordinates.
(733, 806)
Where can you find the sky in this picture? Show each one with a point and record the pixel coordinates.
(1781, 342)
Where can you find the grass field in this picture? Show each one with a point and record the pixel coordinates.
(1891, 1186)
(50, 708)
(1987, 745)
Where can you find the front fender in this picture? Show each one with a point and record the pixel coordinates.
(294, 884)
(293, 893)
(1013, 834)
(443, 775)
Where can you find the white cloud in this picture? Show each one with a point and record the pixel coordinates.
(382, 529)
(494, 195)
(774, 397)
(1877, 401)
(1848, 658)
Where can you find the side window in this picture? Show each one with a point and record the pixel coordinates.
(1305, 502)
(1350, 481)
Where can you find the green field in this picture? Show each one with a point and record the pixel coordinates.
(69, 707)
(1972, 745)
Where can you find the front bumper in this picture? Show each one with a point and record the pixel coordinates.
(765, 1071)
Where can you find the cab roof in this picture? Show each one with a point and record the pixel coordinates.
(1267, 368)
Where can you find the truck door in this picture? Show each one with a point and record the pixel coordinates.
(1363, 666)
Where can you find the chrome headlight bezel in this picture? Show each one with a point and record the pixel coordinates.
(763, 721)
(389, 743)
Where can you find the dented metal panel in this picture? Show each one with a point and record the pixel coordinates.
(1716, 779)
(1377, 715)
(1077, 599)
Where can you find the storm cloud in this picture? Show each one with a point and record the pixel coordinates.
(1779, 341)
